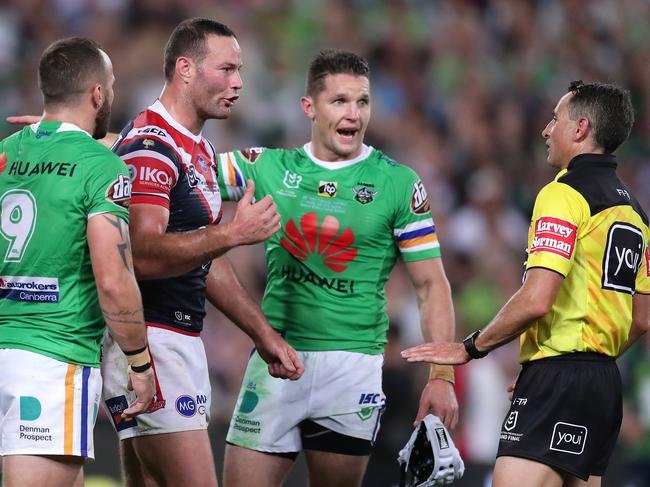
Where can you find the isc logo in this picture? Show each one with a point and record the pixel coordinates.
(370, 398)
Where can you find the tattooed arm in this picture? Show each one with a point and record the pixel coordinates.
(120, 301)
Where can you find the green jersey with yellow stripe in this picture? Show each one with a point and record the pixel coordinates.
(588, 227)
(344, 224)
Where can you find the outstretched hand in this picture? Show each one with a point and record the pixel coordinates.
(443, 353)
(282, 359)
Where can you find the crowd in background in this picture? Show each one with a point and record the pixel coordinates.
(461, 90)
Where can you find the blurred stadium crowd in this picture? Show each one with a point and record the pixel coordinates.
(461, 90)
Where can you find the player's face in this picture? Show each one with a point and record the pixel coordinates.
(217, 83)
(559, 134)
(340, 113)
(103, 117)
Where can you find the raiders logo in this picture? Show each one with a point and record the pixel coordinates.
(364, 195)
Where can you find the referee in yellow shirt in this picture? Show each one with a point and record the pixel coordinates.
(584, 301)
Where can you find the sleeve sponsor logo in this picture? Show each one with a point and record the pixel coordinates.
(622, 259)
(30, 289)
(554, 235)
(419, 199)
(252, 154)
(150, 176)
(119, 192)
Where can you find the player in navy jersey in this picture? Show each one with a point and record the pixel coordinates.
(178, 250)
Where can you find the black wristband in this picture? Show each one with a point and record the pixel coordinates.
(470, 346)
(135, 352)
(138, 369)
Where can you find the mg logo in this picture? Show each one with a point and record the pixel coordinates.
(511, 422)
(186, 406)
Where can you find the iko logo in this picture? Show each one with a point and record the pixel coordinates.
(186, 406)
(569, 438)
(511, 421)
(325, 240)
(291, 180)
(150, 175)
(622, 259)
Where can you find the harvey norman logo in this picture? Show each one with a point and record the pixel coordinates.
(554, 235)
(30, 289)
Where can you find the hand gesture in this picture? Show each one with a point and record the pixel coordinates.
(281, 358)
(254, 222)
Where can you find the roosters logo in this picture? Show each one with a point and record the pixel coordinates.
(325, 240)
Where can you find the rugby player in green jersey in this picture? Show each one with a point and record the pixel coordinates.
(348, 212)
(66, 272)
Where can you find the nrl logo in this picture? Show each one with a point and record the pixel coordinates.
(364, 195)
(292, 180)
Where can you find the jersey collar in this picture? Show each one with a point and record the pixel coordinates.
(365, 152)
(62, 126)
(160, 109)
(592, 160)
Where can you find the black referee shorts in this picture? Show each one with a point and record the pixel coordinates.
(566, 412)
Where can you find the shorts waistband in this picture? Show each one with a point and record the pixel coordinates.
(574, 357)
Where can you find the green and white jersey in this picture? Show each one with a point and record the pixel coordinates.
(343, 226)
(53, 178)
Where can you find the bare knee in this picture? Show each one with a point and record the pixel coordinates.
(270, 469)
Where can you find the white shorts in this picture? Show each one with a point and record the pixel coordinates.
(47, 407)
(340, 391)
(182, 385)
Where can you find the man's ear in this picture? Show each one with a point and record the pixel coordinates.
(185, 69)
(307, 104)
(583, 129)
(98, 95)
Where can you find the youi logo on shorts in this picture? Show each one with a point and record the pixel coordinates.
(569, 438)
(30, 289)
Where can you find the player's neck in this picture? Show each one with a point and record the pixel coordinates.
(181, 110)
(71, 115)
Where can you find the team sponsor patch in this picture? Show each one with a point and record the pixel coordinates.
(420, 199)
(327, 189)
(3, 162)
(569, 438)
(119, 192)
(252, 154)
(151, 175)
(116, 406)
(30, 289)
(622, 258)
(186, 406)
(554, 235)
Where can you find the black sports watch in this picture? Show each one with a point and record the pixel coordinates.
(470, 346)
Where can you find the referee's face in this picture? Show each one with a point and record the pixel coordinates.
(559, 135)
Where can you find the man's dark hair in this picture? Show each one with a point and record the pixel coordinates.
(608, 109)
(334, 61)
(188, 39)
(68, 67)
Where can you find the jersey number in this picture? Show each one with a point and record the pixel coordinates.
(18, 219)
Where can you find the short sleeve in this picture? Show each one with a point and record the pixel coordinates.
(154, 170)
(107, 186)
(413, 229)
(235, 168)
(559, 216)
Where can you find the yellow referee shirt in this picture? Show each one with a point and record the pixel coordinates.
(588, 227)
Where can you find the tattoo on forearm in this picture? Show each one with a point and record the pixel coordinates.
(124, 316)
(123, 248)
